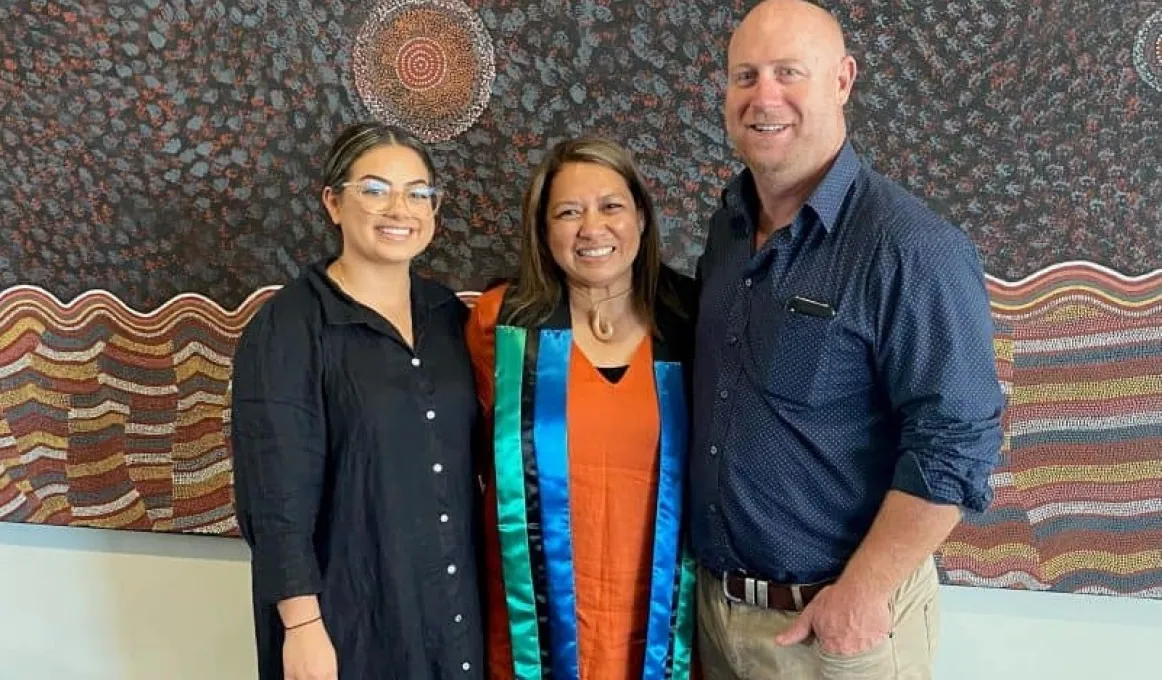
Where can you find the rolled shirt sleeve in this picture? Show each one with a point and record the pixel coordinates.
(938, 359)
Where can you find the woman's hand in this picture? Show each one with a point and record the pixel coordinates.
(307, 654)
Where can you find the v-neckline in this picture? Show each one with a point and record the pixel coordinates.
(629, 365)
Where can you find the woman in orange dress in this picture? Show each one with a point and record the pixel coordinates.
(581, 371)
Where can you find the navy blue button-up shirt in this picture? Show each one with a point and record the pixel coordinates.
(850, 355)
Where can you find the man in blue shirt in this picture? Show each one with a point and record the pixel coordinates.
(846, 401)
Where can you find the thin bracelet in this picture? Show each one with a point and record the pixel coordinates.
(304, 623)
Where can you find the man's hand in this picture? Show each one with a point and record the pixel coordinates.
(845, 623)
(852, 615)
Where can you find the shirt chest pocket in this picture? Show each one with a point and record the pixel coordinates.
(788, 358)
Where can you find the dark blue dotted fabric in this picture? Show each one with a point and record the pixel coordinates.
(882, 375)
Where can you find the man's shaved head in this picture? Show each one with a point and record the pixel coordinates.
(811, 19)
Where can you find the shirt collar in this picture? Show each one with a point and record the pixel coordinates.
(741, 196)
(827, 199)
(340, 309)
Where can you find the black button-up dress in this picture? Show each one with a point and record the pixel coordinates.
(354, 479)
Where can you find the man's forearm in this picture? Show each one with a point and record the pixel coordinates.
(906, 531)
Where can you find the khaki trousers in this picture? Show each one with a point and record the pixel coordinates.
(737, 641)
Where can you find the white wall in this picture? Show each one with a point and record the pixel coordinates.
(87, 604)
(83, 604)
(1015, 635)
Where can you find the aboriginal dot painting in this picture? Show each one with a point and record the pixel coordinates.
(1148, 51)
(162, 172)
(426, 66)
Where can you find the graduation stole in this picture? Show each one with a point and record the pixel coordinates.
(532, 489)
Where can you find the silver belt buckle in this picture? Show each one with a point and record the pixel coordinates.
(726, 591)
(762, 598)
(755, 591)
(797, 596)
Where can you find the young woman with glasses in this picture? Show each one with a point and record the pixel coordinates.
(352, 417)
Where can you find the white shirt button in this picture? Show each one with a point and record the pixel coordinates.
(457, 618)
(444, 517)
(415, 361)
(430, 415)
(437, 468)
(466, 666)
(451, 569)
(748, 282)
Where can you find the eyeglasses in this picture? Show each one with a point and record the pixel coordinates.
(377, 196)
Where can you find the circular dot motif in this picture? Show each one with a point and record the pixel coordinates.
(425, 65)
(421, 64)
(1148, 51)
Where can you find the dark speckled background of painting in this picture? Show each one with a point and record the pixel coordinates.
(156, 147)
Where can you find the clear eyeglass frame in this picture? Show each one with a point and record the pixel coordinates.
(378, 196)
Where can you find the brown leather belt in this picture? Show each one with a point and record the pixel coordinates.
(757, 592)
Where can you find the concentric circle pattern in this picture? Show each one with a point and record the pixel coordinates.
(1148, 51)
(421, 64)
(425, 65)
